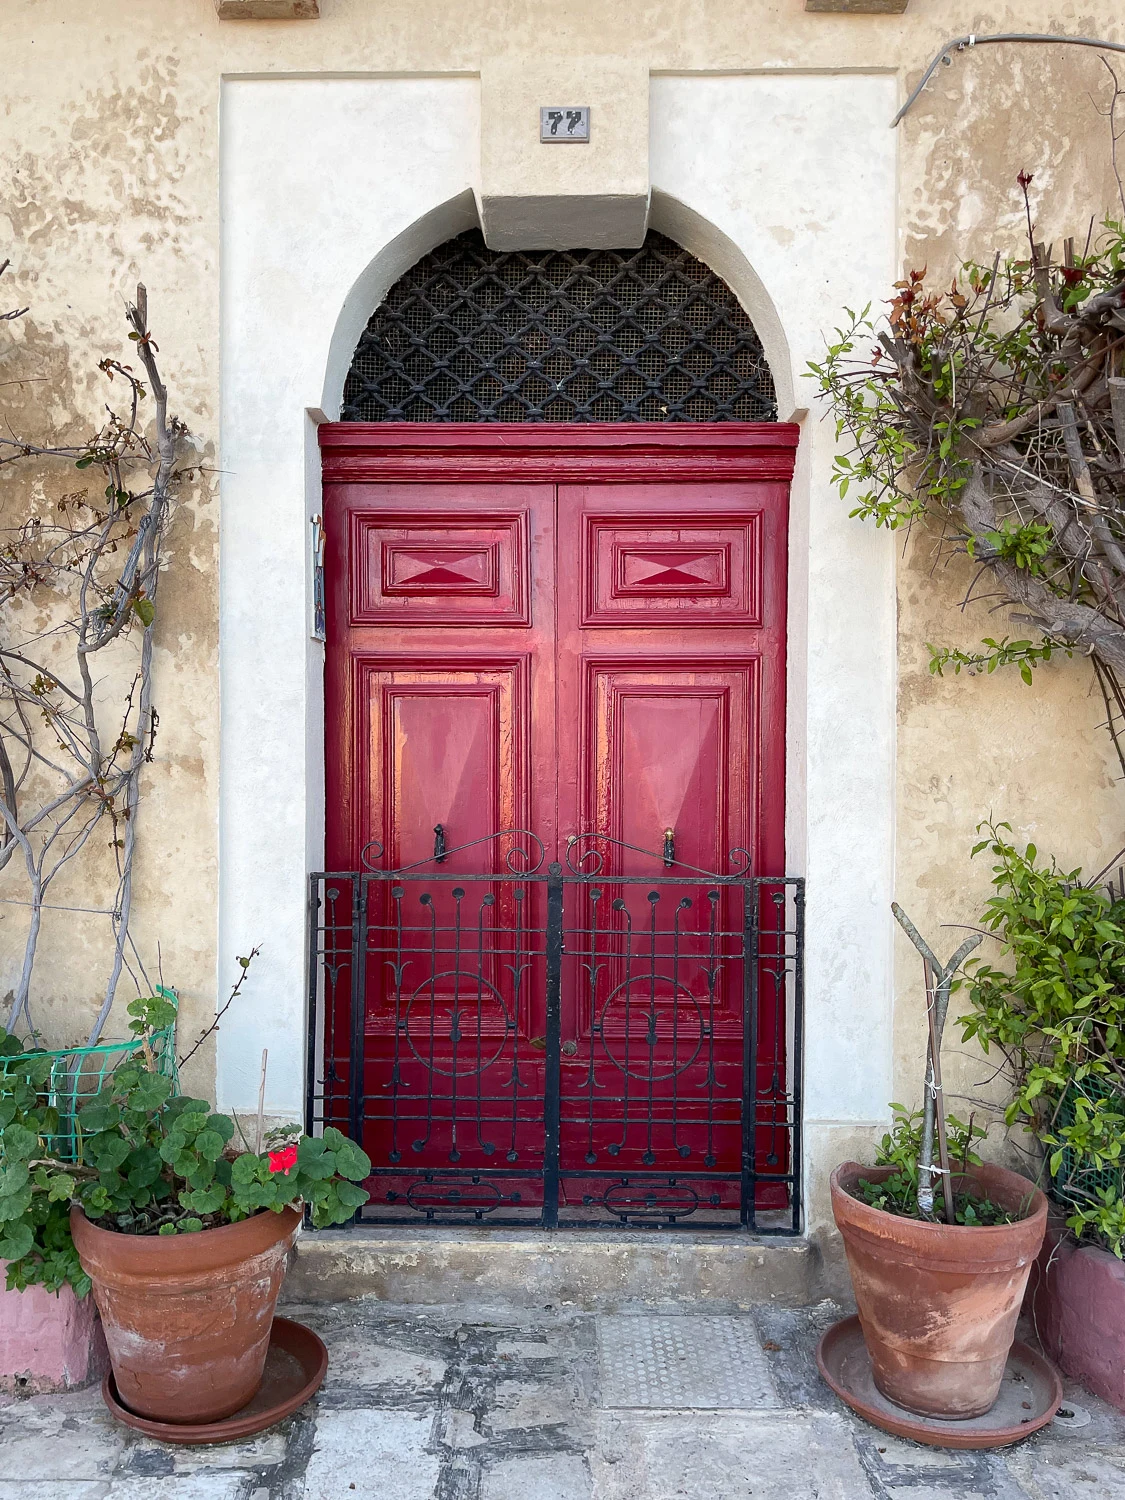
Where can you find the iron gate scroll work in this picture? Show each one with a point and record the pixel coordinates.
(561, 1131)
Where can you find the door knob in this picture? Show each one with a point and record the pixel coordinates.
(669, 848)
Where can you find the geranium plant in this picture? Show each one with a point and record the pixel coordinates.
(154, 1162)
(149, 1161)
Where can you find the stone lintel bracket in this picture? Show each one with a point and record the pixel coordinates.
(267, 10)
(535, 195)
(858, 7)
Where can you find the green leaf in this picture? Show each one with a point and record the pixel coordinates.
(205, 1200)
(99, 1116)
(19, 1142)
(107, 1152)
(143, 1167)
(13, 1178)
(352, 1162)
(150, 1092)
(246, 1168)
(209, 1143)
(16, 1241)
(350, 1195)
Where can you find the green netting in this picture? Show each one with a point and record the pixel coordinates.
(1073, 1183)
(76, 1074)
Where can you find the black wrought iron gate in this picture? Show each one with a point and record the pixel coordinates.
(569, 1045)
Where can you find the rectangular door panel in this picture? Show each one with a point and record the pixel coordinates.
(445, 749)
(414, 568)
(640, 572)
(447, 773)
(668, 752)
(667, 749)
(671, 610)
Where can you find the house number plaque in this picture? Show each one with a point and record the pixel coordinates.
(564, 122)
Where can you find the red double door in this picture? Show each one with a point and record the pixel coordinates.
(572, 632)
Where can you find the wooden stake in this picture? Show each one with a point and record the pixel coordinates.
(261, 1104)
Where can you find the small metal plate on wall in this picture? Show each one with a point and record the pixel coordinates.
(564, 123)
(858, 7)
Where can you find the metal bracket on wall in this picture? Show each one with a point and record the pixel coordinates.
(319, 603)
(267, 10)
(858, 7)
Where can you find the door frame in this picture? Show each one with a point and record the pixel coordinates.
(562, 452)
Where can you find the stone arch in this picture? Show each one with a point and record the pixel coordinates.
(750, 367)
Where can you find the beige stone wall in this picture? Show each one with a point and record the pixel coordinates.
(109, 158)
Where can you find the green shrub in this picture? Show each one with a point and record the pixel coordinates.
(1057, 1017)
(901, 1147)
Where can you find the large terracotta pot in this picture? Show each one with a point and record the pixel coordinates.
(938, 1303)
(187, 1317)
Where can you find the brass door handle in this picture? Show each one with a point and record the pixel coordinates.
(669, 848)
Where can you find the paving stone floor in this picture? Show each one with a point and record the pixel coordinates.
(473, 1403)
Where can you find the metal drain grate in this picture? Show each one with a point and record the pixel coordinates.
(688, 1363)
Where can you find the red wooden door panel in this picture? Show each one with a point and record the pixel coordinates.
(575, 633)
(440, 695)
(671, 609)
(669, 584)
(440, 704)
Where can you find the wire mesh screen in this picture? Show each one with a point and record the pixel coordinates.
(70, 1077)
(475, 335)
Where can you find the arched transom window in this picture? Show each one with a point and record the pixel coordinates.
(475, 335)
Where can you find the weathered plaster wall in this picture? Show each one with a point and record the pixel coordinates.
(109, 146)
(974, 748)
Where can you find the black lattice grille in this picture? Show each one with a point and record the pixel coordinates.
(475, 335)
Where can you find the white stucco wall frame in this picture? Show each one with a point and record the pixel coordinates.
(799, 228)
(812, 209)
(330, 188)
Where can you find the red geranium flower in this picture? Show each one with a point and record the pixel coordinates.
(281, 1161)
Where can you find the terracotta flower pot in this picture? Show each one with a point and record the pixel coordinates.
(938, 1303)
(187, 1317)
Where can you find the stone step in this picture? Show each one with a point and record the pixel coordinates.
(535, 1268)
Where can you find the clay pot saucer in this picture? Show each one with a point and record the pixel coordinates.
(295, 1366)
(1030, 1394)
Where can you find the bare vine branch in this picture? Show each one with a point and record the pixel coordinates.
(72, 747)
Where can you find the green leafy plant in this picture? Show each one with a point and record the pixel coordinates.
(1056, 1015)
(149, 1161)
(34, 1189)
(901, 1147)
(158, 1163)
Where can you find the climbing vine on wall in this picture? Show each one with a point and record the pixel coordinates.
(995, 407)
(82, 532)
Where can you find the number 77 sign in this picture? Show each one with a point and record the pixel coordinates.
(564, 122)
